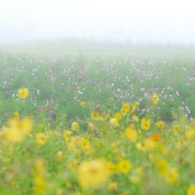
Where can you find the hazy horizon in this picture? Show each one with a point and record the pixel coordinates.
(150, 21)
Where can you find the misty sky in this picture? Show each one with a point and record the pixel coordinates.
(138, 20)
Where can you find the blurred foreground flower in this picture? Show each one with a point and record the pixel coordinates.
(18, 129)
(191, 190)
(93, 173)
(112, 186)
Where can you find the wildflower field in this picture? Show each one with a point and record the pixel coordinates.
(79, 125)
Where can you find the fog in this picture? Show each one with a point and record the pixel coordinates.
(141, 20)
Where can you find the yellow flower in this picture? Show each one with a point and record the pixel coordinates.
(160, 125)
(126, 107)
(112, 186)
(39, 167)
(24, 125)
(40, 184)
(95, 115)
(91, 126)
(85, 145)
(123, 112)
(131, 134)
(114, 148)
(125, 193)
(155, 99)
(162, 166)
(124, 166)
(39, 177)
(172, 175)
(92, 173)
(69, 186)
(149, 144)
(135, 118)
(60, 155)
(23, 93)
(113, 122)
(104, 117)
(75, 126)
(99, 144)
(18, 129)
(191, 190)
(134, 107)
(59, 191)
(83, 104)
(41, 138)
(140, 146)
(155, 137)
(145, 123)
(16, 115)
(73, 165)
(118, 116)
(190, 133)
(67, 134)
(176, 128)
(111, 167)
(73, 143)
(15, 135)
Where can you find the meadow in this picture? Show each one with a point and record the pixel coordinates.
(85, 120)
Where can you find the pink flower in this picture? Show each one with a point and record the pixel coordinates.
(51, 111)
(152, 89)
(97, 105)
(51, 101)
(177, 93)
(142, 89)
(39, 110)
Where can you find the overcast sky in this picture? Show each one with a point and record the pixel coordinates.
(138, 20)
